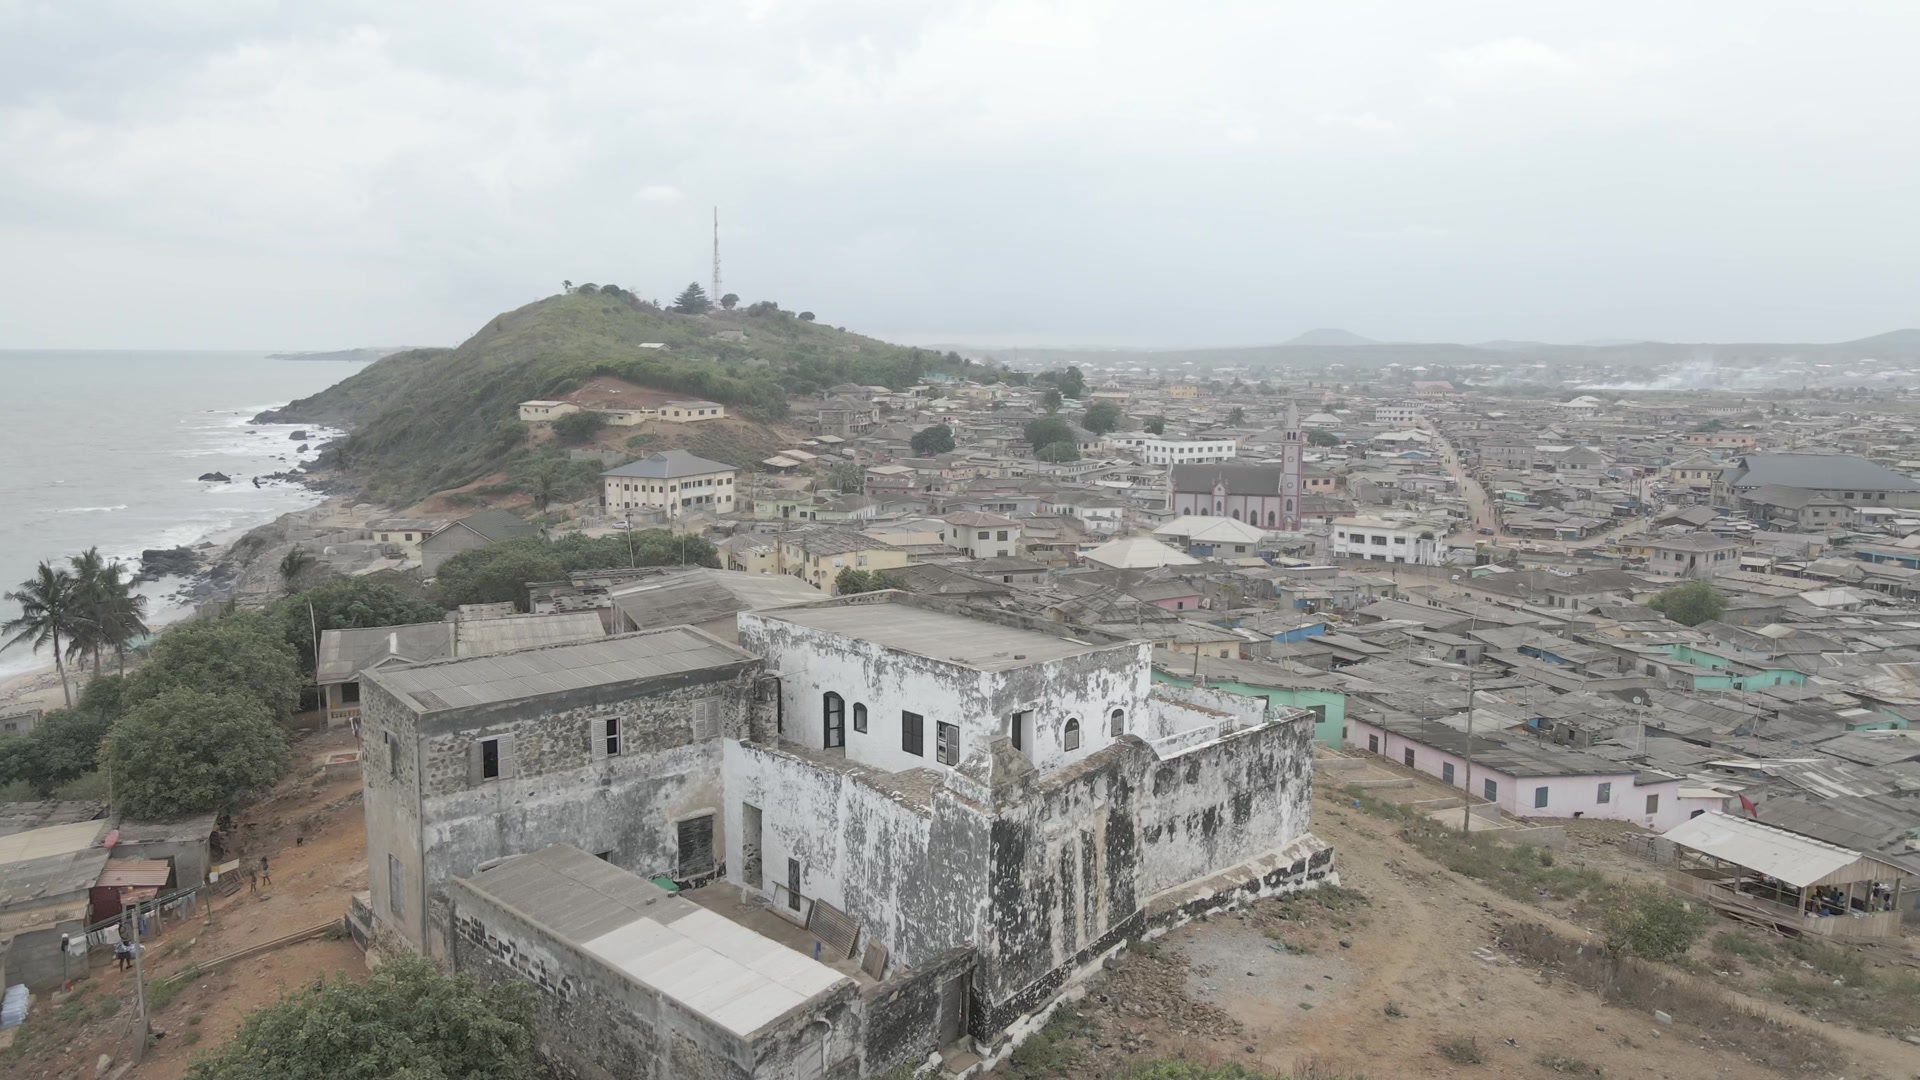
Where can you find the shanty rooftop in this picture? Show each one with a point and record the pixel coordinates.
(955, 639)
(485, 680)
(708, 965)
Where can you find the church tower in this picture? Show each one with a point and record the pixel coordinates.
(1290, 452)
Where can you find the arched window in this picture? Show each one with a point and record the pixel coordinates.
(1272, 518)
(833, 711)
(1117, 723)
(1070, 738)
(859, 717)
(1236, 515)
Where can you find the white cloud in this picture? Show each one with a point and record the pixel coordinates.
(1059, 168)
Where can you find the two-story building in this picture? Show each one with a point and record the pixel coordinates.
(1390, 540)
(1689, 555)
(671, 482)
(817, 555)
(982, 536)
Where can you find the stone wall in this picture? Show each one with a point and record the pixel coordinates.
(595, 1023)
(906, 1014)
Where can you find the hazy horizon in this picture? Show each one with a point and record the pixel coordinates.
(1007, 173)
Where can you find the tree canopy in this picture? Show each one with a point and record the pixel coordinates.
(1045, 430)
(1317, 437)
(1051, 400)
(934, 440)
(406, 1021)
(1690, 604)
(692, 300)
(65, 744)
(499, 573)
(1058, 452)
(1236, 416)
(187, 750)
(851, 580)
(244, 653)
(50, 614)
(1071, 382)
(1155, 425)
(579, 427)
(1101, 417)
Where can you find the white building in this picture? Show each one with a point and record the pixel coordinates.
(673, 481)
(540, 412)
(982, 536)
(687, 412)
(1379, 539)
(1396, 414)
(1177, 449)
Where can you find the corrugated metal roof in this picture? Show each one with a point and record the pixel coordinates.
(1798, 860)
(453, 684)
(123, 872)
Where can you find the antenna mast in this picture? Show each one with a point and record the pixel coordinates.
(715, 295)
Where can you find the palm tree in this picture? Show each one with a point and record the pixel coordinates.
(49, 611)
(122, 614)
(294, 565)
(89, 572)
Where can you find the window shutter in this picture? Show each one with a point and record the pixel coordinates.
(597, 737)
(473, 762)
(509, 765)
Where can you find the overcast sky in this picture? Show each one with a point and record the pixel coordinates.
(243, 173)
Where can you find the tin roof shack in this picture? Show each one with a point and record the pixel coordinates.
(1757, 873)
(45, 878)
(612, 745)
(631, 980)
(183, 845)
(943, 780)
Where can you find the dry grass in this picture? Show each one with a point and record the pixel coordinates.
(1645, 987)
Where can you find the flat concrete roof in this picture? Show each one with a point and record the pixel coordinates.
(956, 639)
(516, 676)
(717, 969)
(50, 840)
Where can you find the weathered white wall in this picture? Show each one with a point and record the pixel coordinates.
(865, 851)
(1223, 802)
(1245, 708)
(811, 662)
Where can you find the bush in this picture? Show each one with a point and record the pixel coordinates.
(407, 1020)
(1461, 1050)
(347, 603)
(1651, 922)
(934, 440)
(579, 427)
(187, 750)
(499, 573)
(1690, 604)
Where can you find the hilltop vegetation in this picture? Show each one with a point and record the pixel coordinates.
(429, 419)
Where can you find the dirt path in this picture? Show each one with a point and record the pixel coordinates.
(1377, 989)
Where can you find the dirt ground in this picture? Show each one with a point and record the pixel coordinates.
(314, 836)
(1375, 988)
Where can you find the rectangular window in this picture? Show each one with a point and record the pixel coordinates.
(1490, 790)
(1539, 797)
(859, 717)
(1002, 535)
(946, 748)
(1407, 756)
(912, 734)
(489, 759)
(396, 886)
(793, 884)
(1373, 744)
(1446, 772)
(393, 755)
(1653, 804)
(1605, 794)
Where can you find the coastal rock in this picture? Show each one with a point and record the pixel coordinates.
(301, 449)
(298, 436)
(167, 562)
(216, 477)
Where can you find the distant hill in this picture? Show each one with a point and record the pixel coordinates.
(1329, 337)
(429, 419)
(362, 355)
(1904, 339)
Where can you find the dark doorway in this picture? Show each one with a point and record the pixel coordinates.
(696, 846)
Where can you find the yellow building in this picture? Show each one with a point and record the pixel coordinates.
(816, 556)
(688, 412)
(403, 533)
(1183, 392)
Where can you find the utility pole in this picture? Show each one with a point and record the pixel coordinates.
(140, 988)
(633, 561)
(715, 298)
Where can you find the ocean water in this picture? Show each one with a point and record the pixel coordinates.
(103, 448)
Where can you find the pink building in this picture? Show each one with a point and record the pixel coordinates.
(1529, 779)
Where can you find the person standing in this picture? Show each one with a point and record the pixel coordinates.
(266, 875)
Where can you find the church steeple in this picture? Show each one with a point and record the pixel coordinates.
(1290, 455)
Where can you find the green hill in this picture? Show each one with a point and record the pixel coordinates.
(429, 419)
